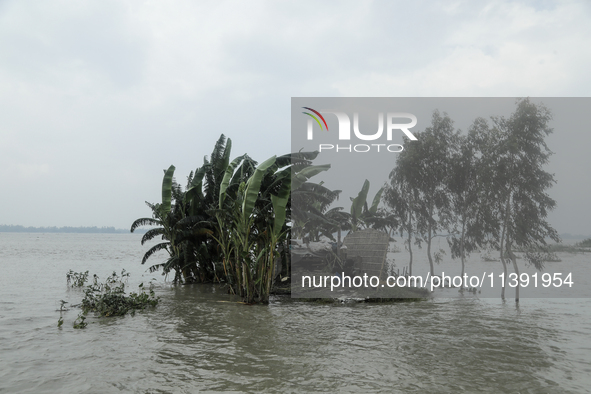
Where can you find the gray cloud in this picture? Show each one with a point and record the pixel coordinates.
(97, 98)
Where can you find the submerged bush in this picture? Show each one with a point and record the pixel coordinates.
(76, 279)
(109, 298)
(80, 321)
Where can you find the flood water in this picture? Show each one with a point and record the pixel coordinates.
(201, 339)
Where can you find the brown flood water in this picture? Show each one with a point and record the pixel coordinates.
(200, 339)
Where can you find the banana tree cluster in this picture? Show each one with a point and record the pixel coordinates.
(230, 223)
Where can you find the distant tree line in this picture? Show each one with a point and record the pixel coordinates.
(85, 230)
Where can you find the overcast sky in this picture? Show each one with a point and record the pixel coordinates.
(97, 98)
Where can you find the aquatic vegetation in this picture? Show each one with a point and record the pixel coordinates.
(80, 321)
(76, 279)
(108, 298)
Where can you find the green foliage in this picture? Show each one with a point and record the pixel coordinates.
(80, 321)
(109, 298)
(364, 216)
(537, 258)
(586, 243)
(230, 222)
(357, 205)
(438, 256)
(518, 155)
(186, 225)
(419, 190)
(310, 215)
(250, 225)
(484, 190)
(76, 279)
(167, 190)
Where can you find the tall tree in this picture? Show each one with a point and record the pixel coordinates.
(424, 166)
(401, 196)
(518, 156)
(471, 224)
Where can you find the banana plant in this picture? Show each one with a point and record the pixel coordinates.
(235, 227)
(165, 219)
(252, 222)
(360, 213)
(229, 221)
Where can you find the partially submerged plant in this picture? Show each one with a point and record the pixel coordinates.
(80, 321)
(76, 279)
(109, 298)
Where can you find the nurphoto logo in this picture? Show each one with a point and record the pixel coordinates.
(344, 133)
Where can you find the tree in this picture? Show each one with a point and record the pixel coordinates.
(517, 153)
(310, 214)
(251, 223)
(401, 197)
(166, 217)
(467, 190)
(202, 196)
(421, 176)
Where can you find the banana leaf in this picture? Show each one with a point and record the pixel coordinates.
(376, 201)
(302, 176)
(167, 190)
(280, 202)
(227, 176)
(253, 186)
(359, 201)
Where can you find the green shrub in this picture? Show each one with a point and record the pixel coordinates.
(80, 321)
(109, 298)
(77, 279)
